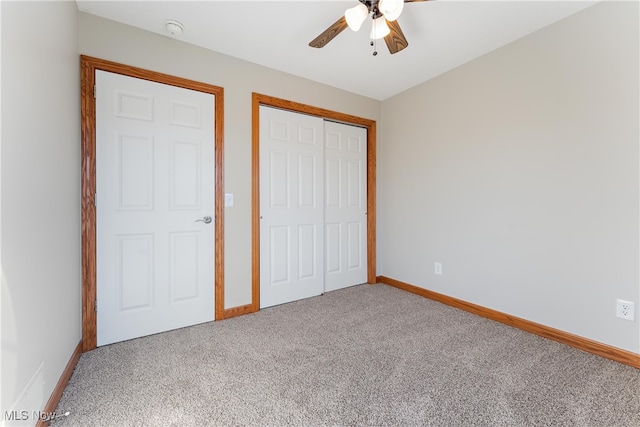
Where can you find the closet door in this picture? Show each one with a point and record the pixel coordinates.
(291, 206)
(345, 205)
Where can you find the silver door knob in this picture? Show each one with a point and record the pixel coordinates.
(206, 219)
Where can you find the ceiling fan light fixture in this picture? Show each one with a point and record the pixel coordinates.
(379, 29)
(391, 9)
(356, 15)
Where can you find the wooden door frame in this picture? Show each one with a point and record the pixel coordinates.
(269, 101)
(89, 65)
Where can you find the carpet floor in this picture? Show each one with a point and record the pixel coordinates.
(367, 355)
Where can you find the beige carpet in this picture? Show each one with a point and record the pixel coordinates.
(367, 355)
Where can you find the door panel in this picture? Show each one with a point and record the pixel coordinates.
(154, 179)
(345, 205)
(354, 246)
(307, 258)
(185, 175)
(135, 172)
(291, 208)
(135, 271)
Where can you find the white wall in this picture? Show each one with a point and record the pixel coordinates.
(105, 39)
(40, 168)
(519, 172)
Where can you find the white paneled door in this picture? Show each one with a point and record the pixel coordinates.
(291, 208)
(345, 159)
(154, 207)
(312, 206)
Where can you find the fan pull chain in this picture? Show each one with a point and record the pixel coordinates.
(373, 42)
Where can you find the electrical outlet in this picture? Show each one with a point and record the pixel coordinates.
(625, 310)
(438, 269)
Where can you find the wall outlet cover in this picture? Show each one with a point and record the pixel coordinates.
(625, 310)
(438, 268)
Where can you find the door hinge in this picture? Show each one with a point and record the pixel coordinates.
(95, 199)
(95, 303)
(94, 92)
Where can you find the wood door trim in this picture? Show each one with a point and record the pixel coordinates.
(370, 125)
(238, 311)
(89, 65)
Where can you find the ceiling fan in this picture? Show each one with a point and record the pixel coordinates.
(384, 25)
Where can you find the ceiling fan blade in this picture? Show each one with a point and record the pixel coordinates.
(328, 34)
(396, 41)
(414, 1)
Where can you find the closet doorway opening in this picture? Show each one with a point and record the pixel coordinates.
(313, 207)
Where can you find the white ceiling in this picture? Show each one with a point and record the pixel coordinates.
(442, 35)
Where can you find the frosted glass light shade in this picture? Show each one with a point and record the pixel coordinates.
(356, 15)
(391, 9)
(379, 29)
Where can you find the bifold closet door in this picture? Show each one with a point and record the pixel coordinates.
(291, 206)
(345, 159)
(313, 199)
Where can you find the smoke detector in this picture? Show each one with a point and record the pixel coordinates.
(174, 27)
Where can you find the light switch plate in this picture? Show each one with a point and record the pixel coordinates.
(228, 200)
